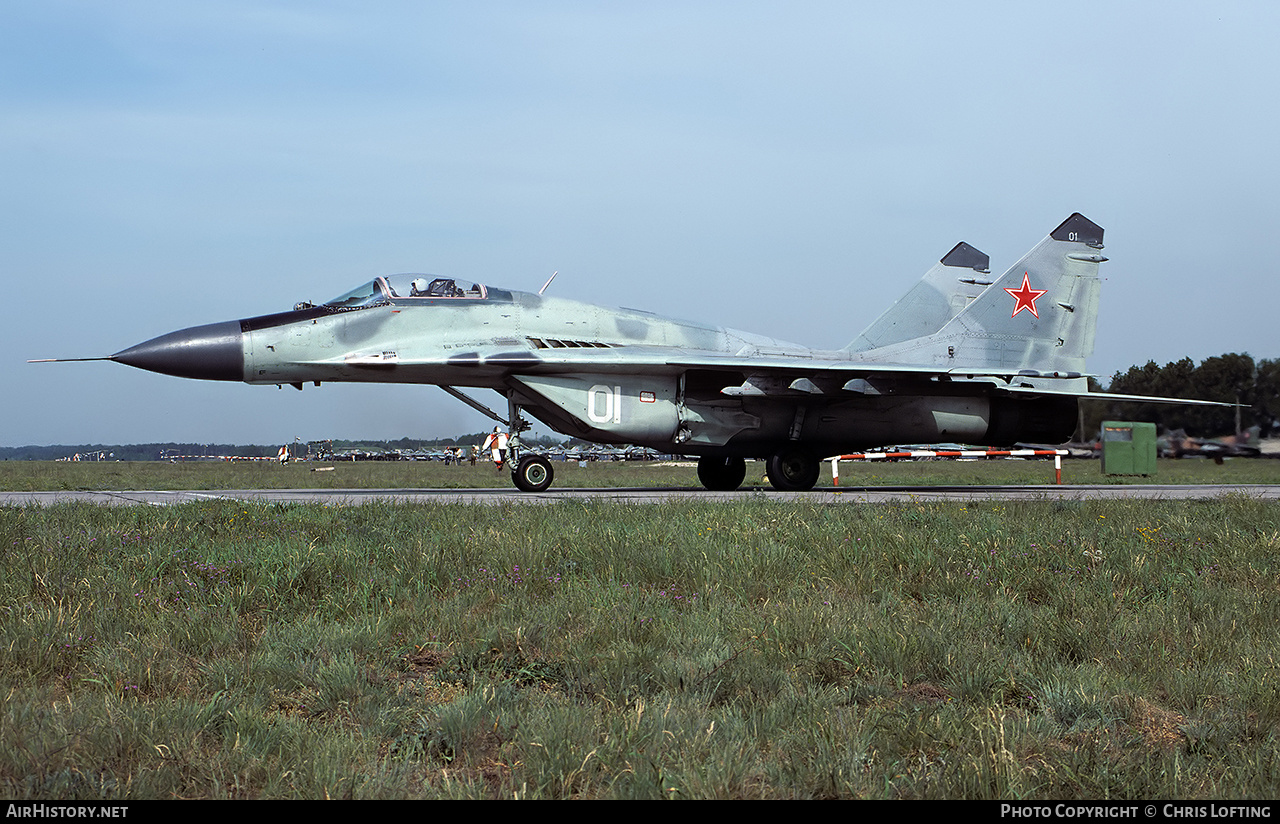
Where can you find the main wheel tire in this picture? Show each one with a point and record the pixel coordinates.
(793, 471)
(721, 474)
(532, 474)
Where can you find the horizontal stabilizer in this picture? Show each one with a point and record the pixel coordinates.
(1107, 396)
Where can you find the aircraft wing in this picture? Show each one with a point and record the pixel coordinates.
(668, 360)
(782, 375)
(787, 375)
(807, 375)
(783, 364)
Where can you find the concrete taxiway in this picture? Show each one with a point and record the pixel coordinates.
(827, 495)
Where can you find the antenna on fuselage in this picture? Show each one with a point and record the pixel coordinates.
(548, 283)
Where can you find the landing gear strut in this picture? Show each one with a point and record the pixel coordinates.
(721, 474)
(530, 473)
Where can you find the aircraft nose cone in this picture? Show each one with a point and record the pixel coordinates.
(214, 352)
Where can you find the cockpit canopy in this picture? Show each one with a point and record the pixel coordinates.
(430, 286)
(370, 294)
(395, 287)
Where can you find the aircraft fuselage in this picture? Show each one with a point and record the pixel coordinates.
(962, 358)
(628, 381)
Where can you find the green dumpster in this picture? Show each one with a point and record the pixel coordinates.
(1128, 448)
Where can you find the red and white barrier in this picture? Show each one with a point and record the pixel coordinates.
(1056, 454)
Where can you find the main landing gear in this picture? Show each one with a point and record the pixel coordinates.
(721, 474)
(793, 471)
(789, 471)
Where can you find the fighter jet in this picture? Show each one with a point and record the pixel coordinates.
(962, 357)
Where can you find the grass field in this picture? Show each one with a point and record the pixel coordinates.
(750, 649)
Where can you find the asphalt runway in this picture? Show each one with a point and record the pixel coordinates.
(825, 495)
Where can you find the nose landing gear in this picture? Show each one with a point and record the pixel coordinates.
(532, 473)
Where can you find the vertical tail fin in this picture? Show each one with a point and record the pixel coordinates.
(944, 291)
(1039, 316)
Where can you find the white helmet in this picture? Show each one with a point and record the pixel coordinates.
(419, 286)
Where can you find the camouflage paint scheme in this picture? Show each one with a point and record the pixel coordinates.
(961, 358)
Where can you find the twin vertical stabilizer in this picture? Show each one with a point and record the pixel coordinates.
(1039, 316)
(943, 292)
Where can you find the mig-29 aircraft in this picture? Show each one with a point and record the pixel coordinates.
(961, 358)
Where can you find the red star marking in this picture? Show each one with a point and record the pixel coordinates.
(1025, 297)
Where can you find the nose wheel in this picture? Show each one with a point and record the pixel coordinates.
(532, 474)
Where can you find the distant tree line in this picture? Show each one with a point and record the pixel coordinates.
(475, 439)
(131, 452)
(1231, 378)
(160, 451)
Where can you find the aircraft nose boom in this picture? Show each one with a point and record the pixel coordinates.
(213, 352)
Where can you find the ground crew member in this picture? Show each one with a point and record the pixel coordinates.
(497, 444)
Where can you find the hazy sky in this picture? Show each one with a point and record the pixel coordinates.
(784, 168)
